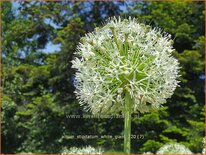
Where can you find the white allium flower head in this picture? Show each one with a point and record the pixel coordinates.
(84, 150)
(174, 148)
(125, 55)
(147, 153)
(203, 150)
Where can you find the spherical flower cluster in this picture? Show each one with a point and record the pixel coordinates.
(125, 55)
(84, 150)
(174, 148)
(203, 150)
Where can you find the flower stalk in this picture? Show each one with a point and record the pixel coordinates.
(127, 123)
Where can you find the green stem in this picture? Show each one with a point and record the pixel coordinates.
(127, 123)
(119, 45)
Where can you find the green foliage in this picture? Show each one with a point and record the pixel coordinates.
(195, 137)
(43, 118)
(38, 85)
(9, 124)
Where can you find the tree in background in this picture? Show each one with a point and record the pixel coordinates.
(38, 85)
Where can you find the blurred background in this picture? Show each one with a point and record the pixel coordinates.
(38, 43)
